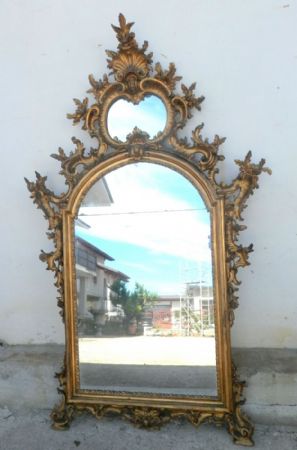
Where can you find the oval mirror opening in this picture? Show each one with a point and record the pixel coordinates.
(145, 302)
(149, 115)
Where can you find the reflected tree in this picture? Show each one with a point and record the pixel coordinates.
(133, 302)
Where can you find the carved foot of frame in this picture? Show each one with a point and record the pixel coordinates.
(62, 415)
(240, 428)
(238, 424)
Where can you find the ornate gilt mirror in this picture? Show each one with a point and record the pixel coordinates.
(146, 255)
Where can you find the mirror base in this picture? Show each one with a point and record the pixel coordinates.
(238, 424)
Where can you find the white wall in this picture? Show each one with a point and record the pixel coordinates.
(243, 55)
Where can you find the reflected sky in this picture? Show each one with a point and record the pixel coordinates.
(149, 115)
(157, 228)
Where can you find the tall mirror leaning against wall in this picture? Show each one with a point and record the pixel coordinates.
(146, 253)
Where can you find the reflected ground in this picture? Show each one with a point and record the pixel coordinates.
(157, 365)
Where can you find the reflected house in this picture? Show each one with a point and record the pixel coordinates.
(98, 195)
(189, 314)
(163, 312)
(94, 279)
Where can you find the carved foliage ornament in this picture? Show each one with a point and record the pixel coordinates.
(132, 77)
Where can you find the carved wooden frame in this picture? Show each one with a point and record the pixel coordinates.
(133, 78)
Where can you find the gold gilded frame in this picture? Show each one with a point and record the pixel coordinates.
(132, 78)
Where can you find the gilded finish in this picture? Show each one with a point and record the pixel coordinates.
(133, 77)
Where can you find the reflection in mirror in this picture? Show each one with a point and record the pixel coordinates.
(149, 116)
(145, 285)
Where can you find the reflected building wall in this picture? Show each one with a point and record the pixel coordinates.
(94, 279)
(190, 314)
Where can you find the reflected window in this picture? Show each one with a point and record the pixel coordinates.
(85, 258)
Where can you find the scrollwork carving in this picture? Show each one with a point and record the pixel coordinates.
(62, 413)
(47, 202)
(236, 195)
(238, 424)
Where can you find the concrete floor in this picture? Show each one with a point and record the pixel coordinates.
(30, 430)
(28, 390)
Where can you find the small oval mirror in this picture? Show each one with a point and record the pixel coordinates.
(149, 116)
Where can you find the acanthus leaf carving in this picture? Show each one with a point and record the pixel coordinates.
(236, 195)
(80, 112)
(79, 156)
(190, 98)
(98, 88)
(46, 201)
(167, 76)
(125, 37)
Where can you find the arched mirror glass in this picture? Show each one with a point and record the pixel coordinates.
(145, 301)
(149, 116)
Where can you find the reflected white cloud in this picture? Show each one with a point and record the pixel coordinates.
(144, 267)
(175, 230)
(149, 115)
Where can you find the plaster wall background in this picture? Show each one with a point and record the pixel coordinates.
(243, 56)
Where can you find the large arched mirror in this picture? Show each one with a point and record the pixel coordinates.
(146, 254)
(145, 299)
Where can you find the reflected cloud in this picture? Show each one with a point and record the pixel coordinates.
(156, 225)
(135, 210)
(139, 266)
(149, 115)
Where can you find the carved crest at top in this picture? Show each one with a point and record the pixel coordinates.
(130, 63)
